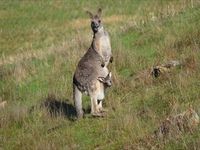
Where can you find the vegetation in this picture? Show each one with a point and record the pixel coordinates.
(41, 43)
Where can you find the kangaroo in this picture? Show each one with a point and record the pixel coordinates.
(101, 39)
(92, 66)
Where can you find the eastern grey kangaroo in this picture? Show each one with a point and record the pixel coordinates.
(101, 39)
(92, 66)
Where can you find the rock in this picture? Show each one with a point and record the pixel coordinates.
(164, 68)
(186, 121)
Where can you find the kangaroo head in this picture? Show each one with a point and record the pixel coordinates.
(95, 20)
(106, 80)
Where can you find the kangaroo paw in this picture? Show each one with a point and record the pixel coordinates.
(111, 59)
(103, 65)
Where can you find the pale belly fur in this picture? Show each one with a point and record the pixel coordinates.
(105, 47)
(101, 95)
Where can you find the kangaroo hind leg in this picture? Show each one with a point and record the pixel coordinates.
(94, 107)
(77, 96)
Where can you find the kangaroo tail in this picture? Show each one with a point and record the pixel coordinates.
(77, 96)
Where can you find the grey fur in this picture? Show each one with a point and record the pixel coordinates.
(88, 70)
(91, 66)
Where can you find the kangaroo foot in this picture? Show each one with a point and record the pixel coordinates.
(97, 114)
(80, 114)
(103, 110)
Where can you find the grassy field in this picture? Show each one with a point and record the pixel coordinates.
(41, 43)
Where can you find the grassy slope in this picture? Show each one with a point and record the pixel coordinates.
(143, 33)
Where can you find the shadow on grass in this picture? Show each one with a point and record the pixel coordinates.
(57, 107)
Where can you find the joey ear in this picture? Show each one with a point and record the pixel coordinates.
(90, 14)
(99, 11)
(101, 79)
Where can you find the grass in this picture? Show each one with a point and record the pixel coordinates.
(41, 43)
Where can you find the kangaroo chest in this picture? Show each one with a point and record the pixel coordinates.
(103, 47)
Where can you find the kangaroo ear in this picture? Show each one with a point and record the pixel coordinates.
(99, 12)
(101, 79)
(90, 14)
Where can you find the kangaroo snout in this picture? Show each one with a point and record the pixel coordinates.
(94, 24)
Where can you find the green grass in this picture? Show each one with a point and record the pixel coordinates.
(41, 43)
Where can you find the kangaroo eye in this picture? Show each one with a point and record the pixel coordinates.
(99, 21)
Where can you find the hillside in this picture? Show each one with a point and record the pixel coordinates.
(41, 43)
